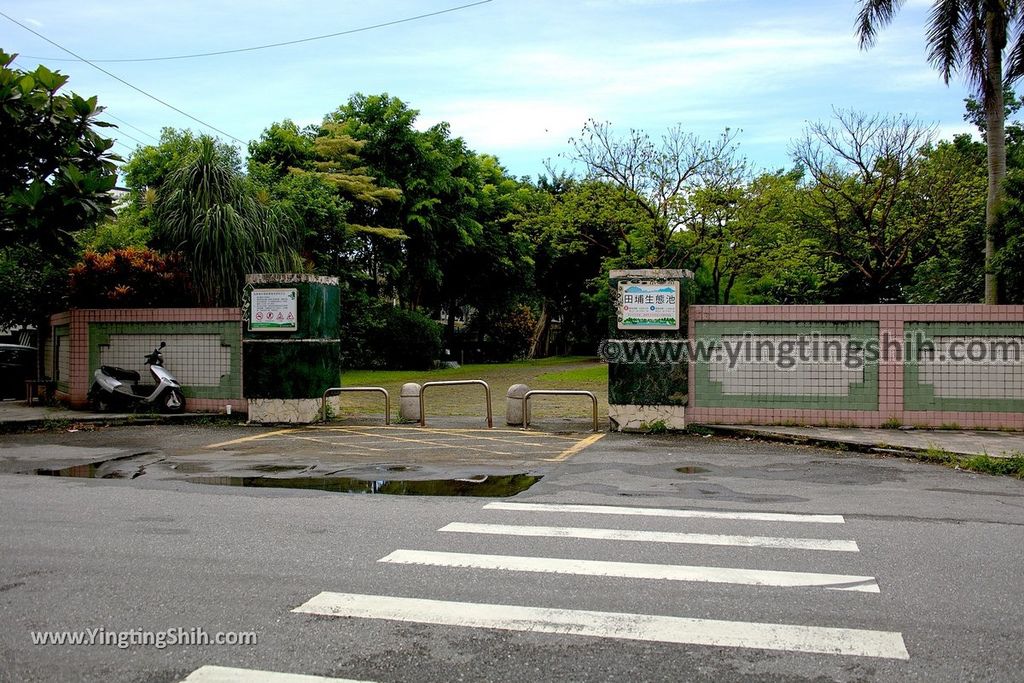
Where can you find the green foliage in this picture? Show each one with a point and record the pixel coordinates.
(511, 331)
(55, 169)
(222, 226)
(33, 284)
(129, 278)
(55, 173)
(403, 340)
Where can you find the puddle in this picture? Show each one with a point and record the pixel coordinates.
(483, 485)
(87, 471)
(692, 469)
(271, 469)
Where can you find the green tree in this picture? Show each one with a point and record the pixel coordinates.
(865, 170)
(224, 228)
(56, 171)
(654, 176)
(970, 37)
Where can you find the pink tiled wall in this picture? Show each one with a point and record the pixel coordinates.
(891, 319)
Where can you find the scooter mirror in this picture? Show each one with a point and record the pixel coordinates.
(163, 344)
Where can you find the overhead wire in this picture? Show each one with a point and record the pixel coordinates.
(273, 45)
(121, 80)
(107, 114)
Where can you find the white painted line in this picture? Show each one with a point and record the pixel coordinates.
(635, 570)
(663, 512)
(655, 536)
(226, 674)
(625, 626)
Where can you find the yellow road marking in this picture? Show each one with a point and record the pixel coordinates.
(424, 441)
(332, 443)
(579, 446)
(451, 430)
(251, 438)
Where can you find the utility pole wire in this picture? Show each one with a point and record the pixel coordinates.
(121, 80)
(287, 42)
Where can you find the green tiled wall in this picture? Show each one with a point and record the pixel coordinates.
(709, 393)
(921, 395)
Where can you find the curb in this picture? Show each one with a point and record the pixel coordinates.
(799, 439)
(115, 420)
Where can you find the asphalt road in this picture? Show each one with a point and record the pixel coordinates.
(919, 566)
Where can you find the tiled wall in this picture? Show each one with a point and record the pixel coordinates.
(940, 365)
(203, 350)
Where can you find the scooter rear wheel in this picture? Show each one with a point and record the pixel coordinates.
(100, 401)
(172, 401)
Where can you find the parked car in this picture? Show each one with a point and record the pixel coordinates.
(17, 364)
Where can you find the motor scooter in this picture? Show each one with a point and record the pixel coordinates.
(111, 389)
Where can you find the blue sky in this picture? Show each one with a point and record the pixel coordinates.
(515, 78)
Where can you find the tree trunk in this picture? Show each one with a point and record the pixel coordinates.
(539, 341)
(995, 137)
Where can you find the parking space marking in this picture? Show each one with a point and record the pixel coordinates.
(424, 442)
(255, 437)
(576, 448)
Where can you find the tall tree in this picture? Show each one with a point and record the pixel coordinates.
(655, 176)
(222, 225)
(865, 170)
(970, 37)
(56, 171)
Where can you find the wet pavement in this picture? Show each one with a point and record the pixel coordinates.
(400, 460)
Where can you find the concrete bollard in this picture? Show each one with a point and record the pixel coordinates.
(409, 402)
(514, 404)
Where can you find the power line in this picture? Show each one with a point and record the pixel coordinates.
(121, 80)
(121, 133)
(273, 45)
(107, 113)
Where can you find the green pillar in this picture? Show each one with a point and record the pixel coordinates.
(291, 350)
(646, 349)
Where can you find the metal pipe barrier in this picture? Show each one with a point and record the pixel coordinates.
(554, 392)
(452, 383)
(338, 390)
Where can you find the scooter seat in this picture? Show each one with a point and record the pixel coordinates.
(120, 373)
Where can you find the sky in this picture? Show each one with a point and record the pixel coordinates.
(514, 78)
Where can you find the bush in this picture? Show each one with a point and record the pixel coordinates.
(512, 331)
(129, 278)
(403, 340)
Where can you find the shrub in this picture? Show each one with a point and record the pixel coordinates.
(403, 340)
(129, 278)
(511, 331)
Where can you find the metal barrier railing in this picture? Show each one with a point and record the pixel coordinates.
(338, 390)
(554, 392)
(451, 383)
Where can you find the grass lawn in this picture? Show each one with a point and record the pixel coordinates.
(564, 372)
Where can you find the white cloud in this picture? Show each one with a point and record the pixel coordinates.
(503, 124)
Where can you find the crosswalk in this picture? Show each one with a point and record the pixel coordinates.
(618, 625)
(628, 626)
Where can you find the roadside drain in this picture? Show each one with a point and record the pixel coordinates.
(483, 485)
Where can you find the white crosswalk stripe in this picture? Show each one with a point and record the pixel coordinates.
(663, 512)
(227, 674)
(654, 536)
(636, 570)
(679, 629)
(624, 626)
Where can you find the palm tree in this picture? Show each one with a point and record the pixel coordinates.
(969, 37)
(224, 227)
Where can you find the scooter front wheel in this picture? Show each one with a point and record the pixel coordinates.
(172, 401)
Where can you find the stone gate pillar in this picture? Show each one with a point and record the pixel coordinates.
(291, 350)
(646, 349)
